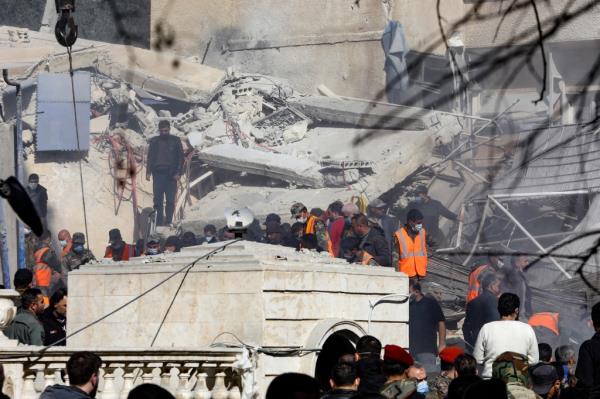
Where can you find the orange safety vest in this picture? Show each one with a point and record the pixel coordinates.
(66, 249)
(413, 253)
(545, 319)
(42, 274)
(474, 284)
(310, 229)
(127, 252)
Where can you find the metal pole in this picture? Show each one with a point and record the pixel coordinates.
(19, 166)
(479, 230)
(542, 194)
(4, 247)
(528, 234)
(372, 306)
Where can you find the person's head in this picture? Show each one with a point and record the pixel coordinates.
(293, 386)
(508, 306)
(149, 391)
(488, 389)
(58, 302)
(544, 377)
(360, 225)
(459, 385)
(23, 279)
(368, 346)
(344, 376)
(396, 361)
(596, 316)
(210, 231)
(491, 282)
(565, 355)
(188, 239)
(33, 181)
(164, 127)
(465, 364)
(83, 370)
(422, 193)
(172, 244)
(272, 218)
(297, 229)
(377, 208)
(153, 246)
(114, 238)
(511, 367)
(32, 300)
(299, 212)
(78, 243)
(519, 261)
(545, 352)
(335, 210)
(350, 209)
(274, 233)
(318, 212)
(414, 220)
(447, 357)
(64, 237)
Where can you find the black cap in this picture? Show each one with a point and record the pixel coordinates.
(272, 217)
(78, 238)
(543, 376)
(114, 235)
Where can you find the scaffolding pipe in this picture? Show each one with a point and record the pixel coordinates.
(4, 258)
(381, 300)
(542, 194)
(478, 234)
(528, 234)
(19, 164)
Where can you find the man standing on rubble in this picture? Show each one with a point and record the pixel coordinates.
(432, 210)
(165, 161)
(314, 234)
(410, 249)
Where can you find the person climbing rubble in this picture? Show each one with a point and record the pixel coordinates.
(314, 234)
(165, 162)
(432, 209)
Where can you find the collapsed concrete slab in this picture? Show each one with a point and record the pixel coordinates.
(269, 164)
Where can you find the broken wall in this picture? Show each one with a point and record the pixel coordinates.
(334, 42)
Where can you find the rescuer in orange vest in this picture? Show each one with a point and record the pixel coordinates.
(118, 249)
(491, 264)
(314, 234)
(46, 269)
(373, 248)
(65, 241)
(546, 327)
(410, 248)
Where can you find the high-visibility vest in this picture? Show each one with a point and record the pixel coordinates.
(474, 284)
(310, 229)
(413, 253)
(545, 319)
(42, 274)
(127, 252)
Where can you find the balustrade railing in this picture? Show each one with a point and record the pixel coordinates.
(187, 374)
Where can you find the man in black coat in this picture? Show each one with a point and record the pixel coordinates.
(373, 247)
(482, 309)
(39, 196)
(54, 319)
(587, 372)
(369, 365)
(165, 163)
(344, 381)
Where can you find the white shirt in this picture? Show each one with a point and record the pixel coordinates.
(498, 337)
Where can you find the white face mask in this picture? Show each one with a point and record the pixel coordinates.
(63, 243)
(418, 227)
(302, 220)
(33, 186)
(422, 387)
(152, 251)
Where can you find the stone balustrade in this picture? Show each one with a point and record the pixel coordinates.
(187, 374)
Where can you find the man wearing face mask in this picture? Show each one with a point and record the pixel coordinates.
(153, 246)
(77, 256)
(118, 250)
(39, 196)
(65, 241)
(315, 231)
(432, 210)
(83, 369)
(481, 268)
(410, 249)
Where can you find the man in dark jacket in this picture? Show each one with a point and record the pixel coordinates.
(26, 327)
(515, 282)
(388, 224)
(369, 365)
(165, 162)
(587, 372)
(432, 210)
(344, 381)
(373, 247)
(54, 319)
(482, 309)
(39, 196)
(77, 256)
(83, 369)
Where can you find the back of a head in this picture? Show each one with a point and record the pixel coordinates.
(81, 366)
(368, 346)
(29, 296)
(23, 277)
(564, 353)
(149, 391)
(293, 386)
(488, 389)
(545, 352)
(508, 303)
(596, 315)
(465, 364)
(343, 374)
(459, 386)
(336, 207)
